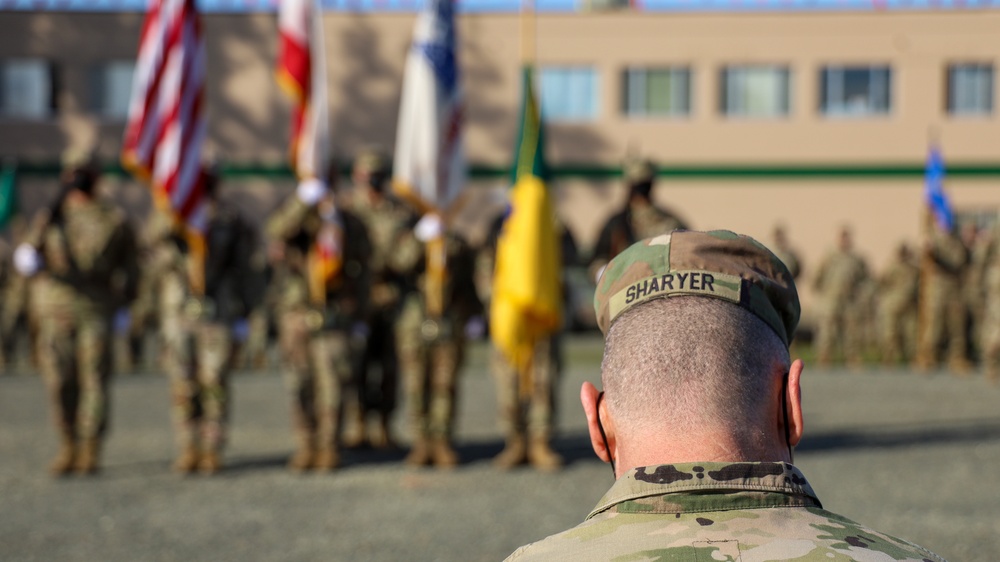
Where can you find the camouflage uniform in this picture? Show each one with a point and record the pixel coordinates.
(388, 222)
(990, 342)
(639, 219)
(786, 253)
(943, 306)
(718, 511)
(89, 270)
(314, 330)
(526, 415)
(431, 352)
(838, 281)
(898, 291)
(197, 330)
(708, 510)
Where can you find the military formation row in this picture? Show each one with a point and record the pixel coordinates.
(936, 306)
(345, 282)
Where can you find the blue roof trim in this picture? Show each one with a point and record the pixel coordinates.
(507, 6)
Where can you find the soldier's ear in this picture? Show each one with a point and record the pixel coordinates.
(599, 425)
(793, 402)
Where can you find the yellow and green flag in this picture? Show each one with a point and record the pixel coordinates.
(526, 303)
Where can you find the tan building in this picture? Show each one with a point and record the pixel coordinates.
(809, 119)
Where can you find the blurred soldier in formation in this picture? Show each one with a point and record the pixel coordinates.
(7, 276)
(972, 285)
(899, 287)
(525, 402)
(133, 323)
(320, 256)
(80, 255)
(387, 221)
(16, 318)
(261, 315)
(198, 327)
(990, 342)
(838, 282)
(785, 252)
(432, 346)
(639, 219)
(946, 258)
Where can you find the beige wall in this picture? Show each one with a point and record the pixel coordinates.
(365, 54)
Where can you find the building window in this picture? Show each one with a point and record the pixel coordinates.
(657, 91)
(755, 91)
(970, 89)
(26, 90)
(855, 91)
(569, 93)
(111, 89)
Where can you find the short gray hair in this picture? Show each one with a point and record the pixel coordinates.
(688, 362)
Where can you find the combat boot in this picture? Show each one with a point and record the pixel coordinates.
(442, 453)
(210, 463)
(542, 457)
(515, 453)
(353, 435)
(420, 452)
(327, 459)
(960, 367)
(65, 461)
(304, 457)
(87, 456)
(187, 461)
(381, 436)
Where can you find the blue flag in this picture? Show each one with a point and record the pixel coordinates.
(934, 193)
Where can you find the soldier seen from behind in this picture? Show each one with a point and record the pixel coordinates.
(80, 256)
(700, 411)
(320, 255)
(640, 218)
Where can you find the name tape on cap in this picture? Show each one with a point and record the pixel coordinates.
(701, 283)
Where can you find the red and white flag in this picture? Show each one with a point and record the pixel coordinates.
(302, 74)
(166, 125)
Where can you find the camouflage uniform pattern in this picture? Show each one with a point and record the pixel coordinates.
(388, 223)
(899, 286)
(839, 281)
(639, 220)
(196, 330)
(718, 511)
(432, 350)
(990, 333)
(525, 415)
(943, 305)
(314, 337)
(89, 271)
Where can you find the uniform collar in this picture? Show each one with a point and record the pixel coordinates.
(768, 484)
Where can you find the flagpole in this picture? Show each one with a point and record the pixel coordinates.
(528, 32)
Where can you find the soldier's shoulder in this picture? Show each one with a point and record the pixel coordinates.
(806, 534)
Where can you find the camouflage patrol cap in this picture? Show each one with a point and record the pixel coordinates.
(637, 170)
(78, 159)
(718, 264)
(372, 161)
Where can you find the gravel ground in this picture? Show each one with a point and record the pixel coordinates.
(915, 456)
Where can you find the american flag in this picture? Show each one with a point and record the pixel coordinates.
(430, 160)
(302, 74)
(166, 125)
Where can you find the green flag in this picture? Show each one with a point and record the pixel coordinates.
(8, 193)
